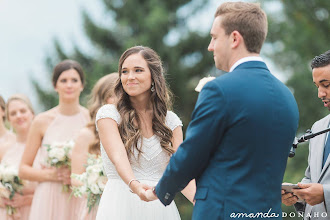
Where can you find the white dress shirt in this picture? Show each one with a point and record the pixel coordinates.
(245, 59)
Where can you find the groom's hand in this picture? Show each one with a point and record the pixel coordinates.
(151, 195)
(141, 191)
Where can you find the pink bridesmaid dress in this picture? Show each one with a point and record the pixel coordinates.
(49, 202)
(13, 158)
(81, 210)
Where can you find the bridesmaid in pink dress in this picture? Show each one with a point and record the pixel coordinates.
(20, 115)
(59, 124)
(88, 140)
(6, 137)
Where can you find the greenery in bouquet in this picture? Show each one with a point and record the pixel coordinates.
(10, 184)
(93, 181)
(59, 155)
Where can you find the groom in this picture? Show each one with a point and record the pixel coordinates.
(242, 127)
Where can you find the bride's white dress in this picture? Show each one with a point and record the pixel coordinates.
(117, 202)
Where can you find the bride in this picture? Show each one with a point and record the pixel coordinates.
(138, 136)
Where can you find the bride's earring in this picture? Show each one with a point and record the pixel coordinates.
(152, 87)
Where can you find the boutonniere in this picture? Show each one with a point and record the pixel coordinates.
(202, 82)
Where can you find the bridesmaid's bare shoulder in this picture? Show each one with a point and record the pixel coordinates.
(43, 119)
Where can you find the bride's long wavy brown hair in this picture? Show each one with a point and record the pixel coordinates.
(130, 125)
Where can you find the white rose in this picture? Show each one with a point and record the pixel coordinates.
(202, 82)
(79, 191)
(57, 153)
(95, 189)
(69, 146)
(102, 181)
(96, 168)
(9, 174)
(92, 178)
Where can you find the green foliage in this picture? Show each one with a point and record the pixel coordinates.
(298, 33)
(185, 59)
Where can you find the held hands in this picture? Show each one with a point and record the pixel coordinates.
(151, 194)
(144, 191)
(312, 193)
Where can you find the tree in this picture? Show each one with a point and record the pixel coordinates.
(151, 23)
(298, 32)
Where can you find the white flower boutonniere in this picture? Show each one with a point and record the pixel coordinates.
(202, 82)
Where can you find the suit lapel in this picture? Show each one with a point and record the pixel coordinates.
(320, 149)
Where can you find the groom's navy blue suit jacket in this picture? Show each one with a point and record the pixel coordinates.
(236, 146)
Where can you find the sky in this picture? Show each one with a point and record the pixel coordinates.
(28, 30)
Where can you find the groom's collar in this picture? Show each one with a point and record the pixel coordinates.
(243, 60)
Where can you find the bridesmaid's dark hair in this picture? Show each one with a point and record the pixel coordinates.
(67, 65)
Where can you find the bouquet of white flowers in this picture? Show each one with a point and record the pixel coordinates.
(59, 155)
(10, 184)
(93, 181)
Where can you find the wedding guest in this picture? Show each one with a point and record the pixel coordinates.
(6, 137)
(315, 186)
(88, 141)
(20, 115)
(138, 136)
(57, 125)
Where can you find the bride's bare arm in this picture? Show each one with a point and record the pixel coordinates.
(115, 149)
(26, 171)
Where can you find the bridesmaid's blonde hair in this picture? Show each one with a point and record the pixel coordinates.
(22, 98)
(102, 91)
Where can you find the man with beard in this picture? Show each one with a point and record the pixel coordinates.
(315, 186)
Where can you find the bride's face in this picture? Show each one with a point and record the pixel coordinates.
(69, 85)
(136, 76)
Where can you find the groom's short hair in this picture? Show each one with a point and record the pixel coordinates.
(321, 60)
(246, 18)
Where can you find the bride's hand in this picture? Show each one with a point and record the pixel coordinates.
(140, 190)
(151, 195)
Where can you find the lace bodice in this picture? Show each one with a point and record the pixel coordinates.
(153, 160)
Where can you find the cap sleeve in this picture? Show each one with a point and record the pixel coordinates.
(172, 120)
(108, 111)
